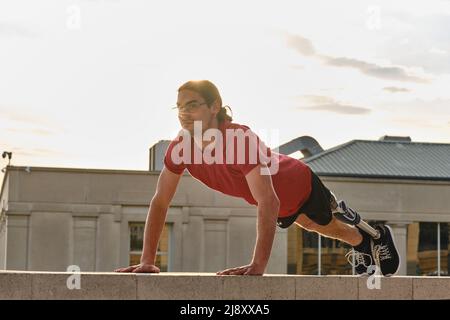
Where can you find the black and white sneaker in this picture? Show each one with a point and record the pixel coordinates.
(360, 257)
(385, 251)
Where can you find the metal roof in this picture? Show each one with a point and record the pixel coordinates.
(384, 159)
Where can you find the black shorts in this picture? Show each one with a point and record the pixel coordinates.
(317, 207)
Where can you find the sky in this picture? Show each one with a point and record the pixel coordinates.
(90, 84)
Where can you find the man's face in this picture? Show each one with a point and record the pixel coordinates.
(192, 107)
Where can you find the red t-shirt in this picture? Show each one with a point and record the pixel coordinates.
(291, 178)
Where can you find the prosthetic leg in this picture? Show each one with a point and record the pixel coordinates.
(347, 215)
(383, 245)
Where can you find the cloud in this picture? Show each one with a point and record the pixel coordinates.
(302, 45)
(396, 89)
(314, 99)
(340, 108)
(324, 103)
(305, 47)
(15, 30)
(371, 69)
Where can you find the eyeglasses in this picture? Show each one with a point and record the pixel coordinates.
(190, 107)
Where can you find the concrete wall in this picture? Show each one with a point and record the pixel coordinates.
(3, 248)
(3, 207)
(185, 286)
(59, 217)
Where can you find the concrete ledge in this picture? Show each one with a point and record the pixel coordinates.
(208, 286)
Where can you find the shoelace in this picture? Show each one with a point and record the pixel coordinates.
(382, 252)
(359, 258)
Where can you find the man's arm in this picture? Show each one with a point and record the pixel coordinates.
(156, 217)
(268, 206)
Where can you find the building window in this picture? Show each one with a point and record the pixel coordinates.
(302, 251)
(428, 249)
(305, 257)
(136, 243)
(333, 260)
(312, 254)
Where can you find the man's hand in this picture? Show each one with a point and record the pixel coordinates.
(140, 268)
(248, 270)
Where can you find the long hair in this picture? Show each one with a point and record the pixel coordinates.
(210, 93)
